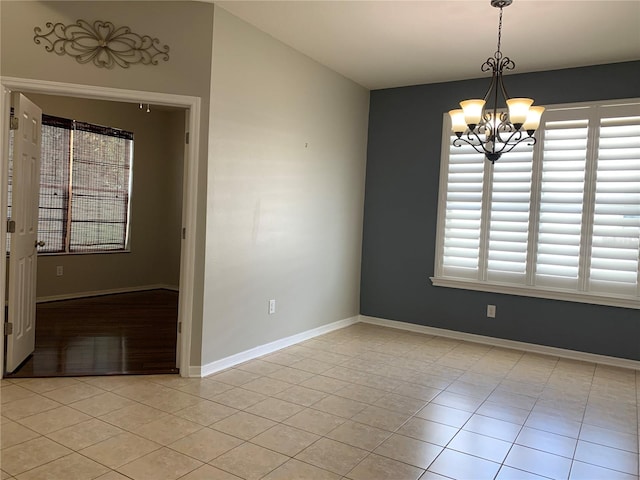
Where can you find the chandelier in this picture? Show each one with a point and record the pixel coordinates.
(494, 131)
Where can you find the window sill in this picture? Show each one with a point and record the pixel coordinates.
(97, 252)
(530, 291)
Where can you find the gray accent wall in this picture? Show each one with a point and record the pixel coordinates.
(401, 201)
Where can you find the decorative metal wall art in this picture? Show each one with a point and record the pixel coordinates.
(101, 43)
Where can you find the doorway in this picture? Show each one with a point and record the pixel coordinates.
(82, 307)
(191, 106)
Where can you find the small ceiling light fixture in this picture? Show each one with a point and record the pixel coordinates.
(493, 131)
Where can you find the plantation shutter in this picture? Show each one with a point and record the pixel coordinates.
(101, 178)
(564, 162)
(509, 218)
(461, 243)
(560, 219)
(615, 241)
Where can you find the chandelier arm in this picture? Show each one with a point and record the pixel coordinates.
(476, 143)
(511, 143)
(494, 154)
(464, 141)
(473, 138)
(505, 127)
(490, 64)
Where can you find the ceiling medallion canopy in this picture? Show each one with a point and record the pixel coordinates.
(101, 43)
(491, 128)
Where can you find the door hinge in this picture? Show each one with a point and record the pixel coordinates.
(179, 327)
(8, 328)
(186, 138)
(184, 232)
(11, 226)
(14, 123)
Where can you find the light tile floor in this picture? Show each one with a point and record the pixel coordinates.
(361, 403)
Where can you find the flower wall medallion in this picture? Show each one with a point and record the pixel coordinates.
(101, 43)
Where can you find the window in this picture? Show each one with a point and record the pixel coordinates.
(560, 219)
(85, 184)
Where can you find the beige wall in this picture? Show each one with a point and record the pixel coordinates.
(281, 172)
(285, 192)
(156, 197)
(187, 27)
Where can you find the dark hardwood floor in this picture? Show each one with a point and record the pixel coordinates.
(129, 333)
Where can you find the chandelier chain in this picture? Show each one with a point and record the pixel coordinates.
(498, 53)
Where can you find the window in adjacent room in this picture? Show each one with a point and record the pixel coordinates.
(85, 187)
(557, 220)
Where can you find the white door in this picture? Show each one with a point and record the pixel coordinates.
(23, 241)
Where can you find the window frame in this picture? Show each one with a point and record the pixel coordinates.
(527, 289)
(93, 128)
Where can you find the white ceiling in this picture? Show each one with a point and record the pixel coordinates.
(392, 43)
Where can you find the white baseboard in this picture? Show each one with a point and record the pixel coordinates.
(223, 363)
(112, 291)
(499, 342)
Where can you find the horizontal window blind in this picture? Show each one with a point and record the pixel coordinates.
(85, 182)
(562, 217)
(10, 183)
(100, 201)
(54, 183)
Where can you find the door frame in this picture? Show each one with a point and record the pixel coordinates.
(192, 105)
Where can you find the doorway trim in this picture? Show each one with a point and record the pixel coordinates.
(190, 183)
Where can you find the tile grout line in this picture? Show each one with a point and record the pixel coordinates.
(394, 363)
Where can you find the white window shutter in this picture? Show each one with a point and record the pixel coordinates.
(509, 217)
(561, 202)
(559, 220)
(615, 241)
(463, 212)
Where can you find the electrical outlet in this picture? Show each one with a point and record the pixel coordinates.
(491, 311)
(272, 307)
(59, 271)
